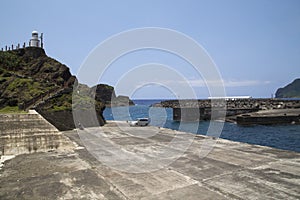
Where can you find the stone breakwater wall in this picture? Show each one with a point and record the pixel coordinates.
(261, 104)
(27, 133)
(195, 110)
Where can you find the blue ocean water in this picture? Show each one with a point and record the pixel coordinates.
(278, 136)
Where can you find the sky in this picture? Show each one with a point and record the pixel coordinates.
(255, 44)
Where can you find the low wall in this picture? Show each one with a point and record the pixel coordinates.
(26, 133)
(198, 114)
(63, 120)
(268, 120)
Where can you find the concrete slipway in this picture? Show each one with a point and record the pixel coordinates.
(131, 164)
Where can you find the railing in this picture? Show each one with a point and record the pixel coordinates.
(14, 47)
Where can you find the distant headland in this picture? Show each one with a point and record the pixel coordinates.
(291, 90)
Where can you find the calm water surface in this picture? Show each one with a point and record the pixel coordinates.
(278, 136)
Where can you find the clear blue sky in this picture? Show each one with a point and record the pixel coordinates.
(255, 44)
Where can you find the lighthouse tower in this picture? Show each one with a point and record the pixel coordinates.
(34, 41)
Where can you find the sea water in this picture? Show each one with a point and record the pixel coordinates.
(278, 136)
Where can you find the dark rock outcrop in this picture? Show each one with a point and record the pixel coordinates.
(292, 90)
(106, 93)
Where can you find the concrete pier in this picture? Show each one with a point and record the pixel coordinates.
(232, 170)
(267, 117)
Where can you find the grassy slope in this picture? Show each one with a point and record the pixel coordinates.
(23, 78)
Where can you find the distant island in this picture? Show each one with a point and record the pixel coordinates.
(29, 79)
(292, 90)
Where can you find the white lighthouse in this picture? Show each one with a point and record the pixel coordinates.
(34, 41)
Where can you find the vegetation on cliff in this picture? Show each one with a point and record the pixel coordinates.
(292, 90)
(28, 75)
(31, 79)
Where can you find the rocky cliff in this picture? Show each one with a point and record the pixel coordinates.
(27, 75)
(292, 90)
(107, 94)
(31, 79)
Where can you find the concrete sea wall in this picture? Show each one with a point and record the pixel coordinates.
(26, 133)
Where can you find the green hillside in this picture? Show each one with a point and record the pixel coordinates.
(29, 79)
(28, 75)
(292, 90)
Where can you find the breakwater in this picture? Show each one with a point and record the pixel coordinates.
(197, 110)
(268, 117)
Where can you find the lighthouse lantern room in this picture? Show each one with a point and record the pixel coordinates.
(34, 41)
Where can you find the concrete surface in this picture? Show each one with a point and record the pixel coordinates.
(232, 170)
(267, 117)
(30, 132)
(277, 112)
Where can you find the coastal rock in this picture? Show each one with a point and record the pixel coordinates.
(106, 94)
(121, 101)
(31, 79)
(292, 90)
